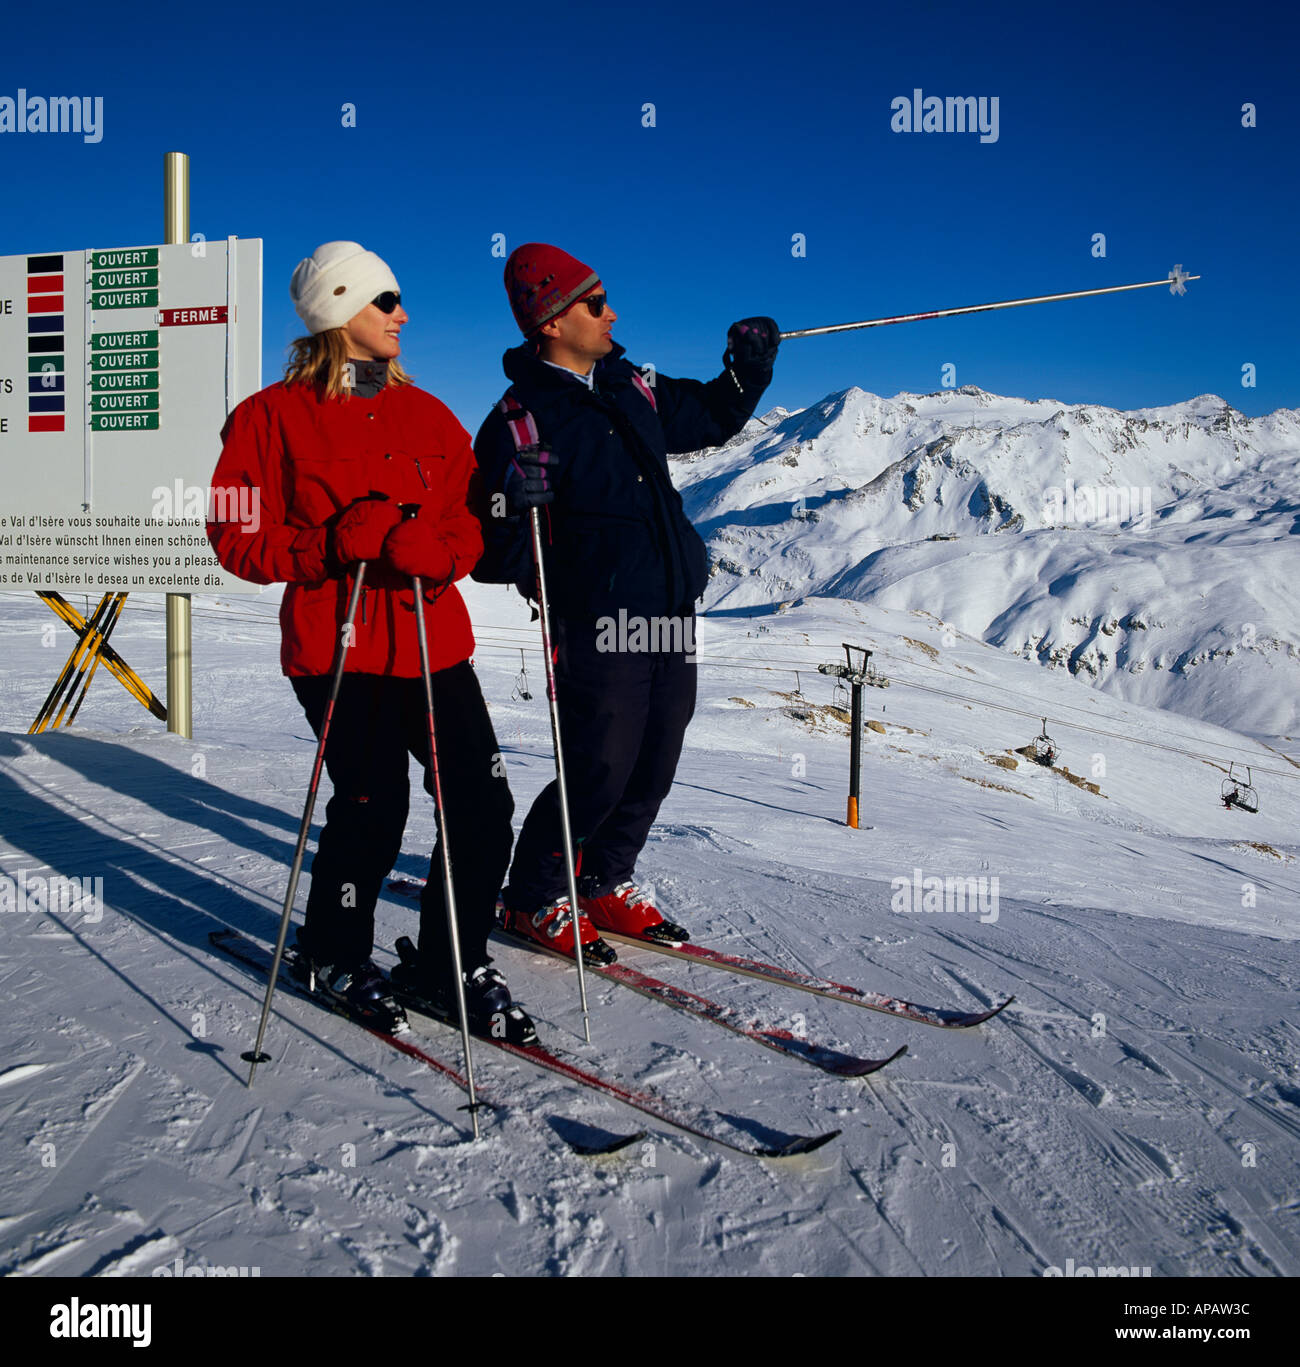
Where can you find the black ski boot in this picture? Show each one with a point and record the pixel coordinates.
(361, 992)
(487, 999)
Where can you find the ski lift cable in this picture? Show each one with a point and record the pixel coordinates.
(1204, 753)
(740, 663)
(1004, 688)
(486, 642)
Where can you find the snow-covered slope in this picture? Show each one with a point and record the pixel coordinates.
(1151, 552)
(1149, 934)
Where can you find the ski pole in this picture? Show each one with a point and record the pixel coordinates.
(410, 510)
(565, 828)
(255, 1055)
(1177, 276)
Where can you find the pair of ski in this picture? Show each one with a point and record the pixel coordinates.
(783, 1041)
(737, 1135)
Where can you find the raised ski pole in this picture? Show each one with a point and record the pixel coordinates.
(543, 605)
(1175, 280)
(255, 1055)
(410, 510)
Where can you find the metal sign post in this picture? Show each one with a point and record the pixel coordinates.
(176, 228)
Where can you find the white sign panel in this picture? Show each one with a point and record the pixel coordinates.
(118, 367)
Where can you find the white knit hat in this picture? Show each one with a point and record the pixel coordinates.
(332, 285)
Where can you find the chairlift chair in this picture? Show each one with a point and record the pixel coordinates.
(1045, 748)
(521, 693)
(1238, 793)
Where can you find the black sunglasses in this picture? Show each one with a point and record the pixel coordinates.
(595, 304)
(390, 299)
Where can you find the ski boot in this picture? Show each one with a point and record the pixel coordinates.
(487, 1000)
(361, 992)
(551, 927)
(628, 911)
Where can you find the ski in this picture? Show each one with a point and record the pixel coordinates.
(247, 952)
(783, 1042)
(693, 1120)
(942, 1017)
(696, 1121)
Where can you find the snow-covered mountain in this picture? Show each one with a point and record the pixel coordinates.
(1149, 552)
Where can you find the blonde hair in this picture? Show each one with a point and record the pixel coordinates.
(320, 360)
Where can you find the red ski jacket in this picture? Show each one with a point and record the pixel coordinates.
(307, 458)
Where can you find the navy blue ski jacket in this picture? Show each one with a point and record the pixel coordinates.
(618, 535)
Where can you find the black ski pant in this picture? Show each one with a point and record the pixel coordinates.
(378, 722)
(623, 717)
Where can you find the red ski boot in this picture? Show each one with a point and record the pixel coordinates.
(628, 911)
(552, 927)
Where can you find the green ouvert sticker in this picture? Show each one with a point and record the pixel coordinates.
(123, 422)
(124, 258)
(134, 401)
(123, 280)
(124, 360)
(125, 299)
(118, 380)
(123, 341)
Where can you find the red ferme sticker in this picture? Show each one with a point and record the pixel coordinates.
(214, 313)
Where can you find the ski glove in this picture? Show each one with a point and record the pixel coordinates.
(751, 347)
(414, 547)
(358, 532)
(529, 478)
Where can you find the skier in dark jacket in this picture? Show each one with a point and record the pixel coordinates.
(584, 436)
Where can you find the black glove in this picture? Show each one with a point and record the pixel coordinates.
(751, 348)
(529, 478)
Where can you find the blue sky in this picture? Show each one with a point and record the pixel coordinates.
(770, 120)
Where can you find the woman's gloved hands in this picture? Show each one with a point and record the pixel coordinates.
(413, 547)
(359, 532)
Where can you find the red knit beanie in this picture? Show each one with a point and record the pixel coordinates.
(542, 281)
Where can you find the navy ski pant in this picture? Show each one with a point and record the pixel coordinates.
(623, 717)
(378, 722)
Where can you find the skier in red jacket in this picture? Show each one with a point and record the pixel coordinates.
(333, 451)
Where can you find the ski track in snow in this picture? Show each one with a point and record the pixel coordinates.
(1046, 1134)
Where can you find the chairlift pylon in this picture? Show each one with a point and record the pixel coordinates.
(1235, 792)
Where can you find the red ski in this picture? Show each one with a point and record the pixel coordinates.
(782, 1041)
(942, 1017)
